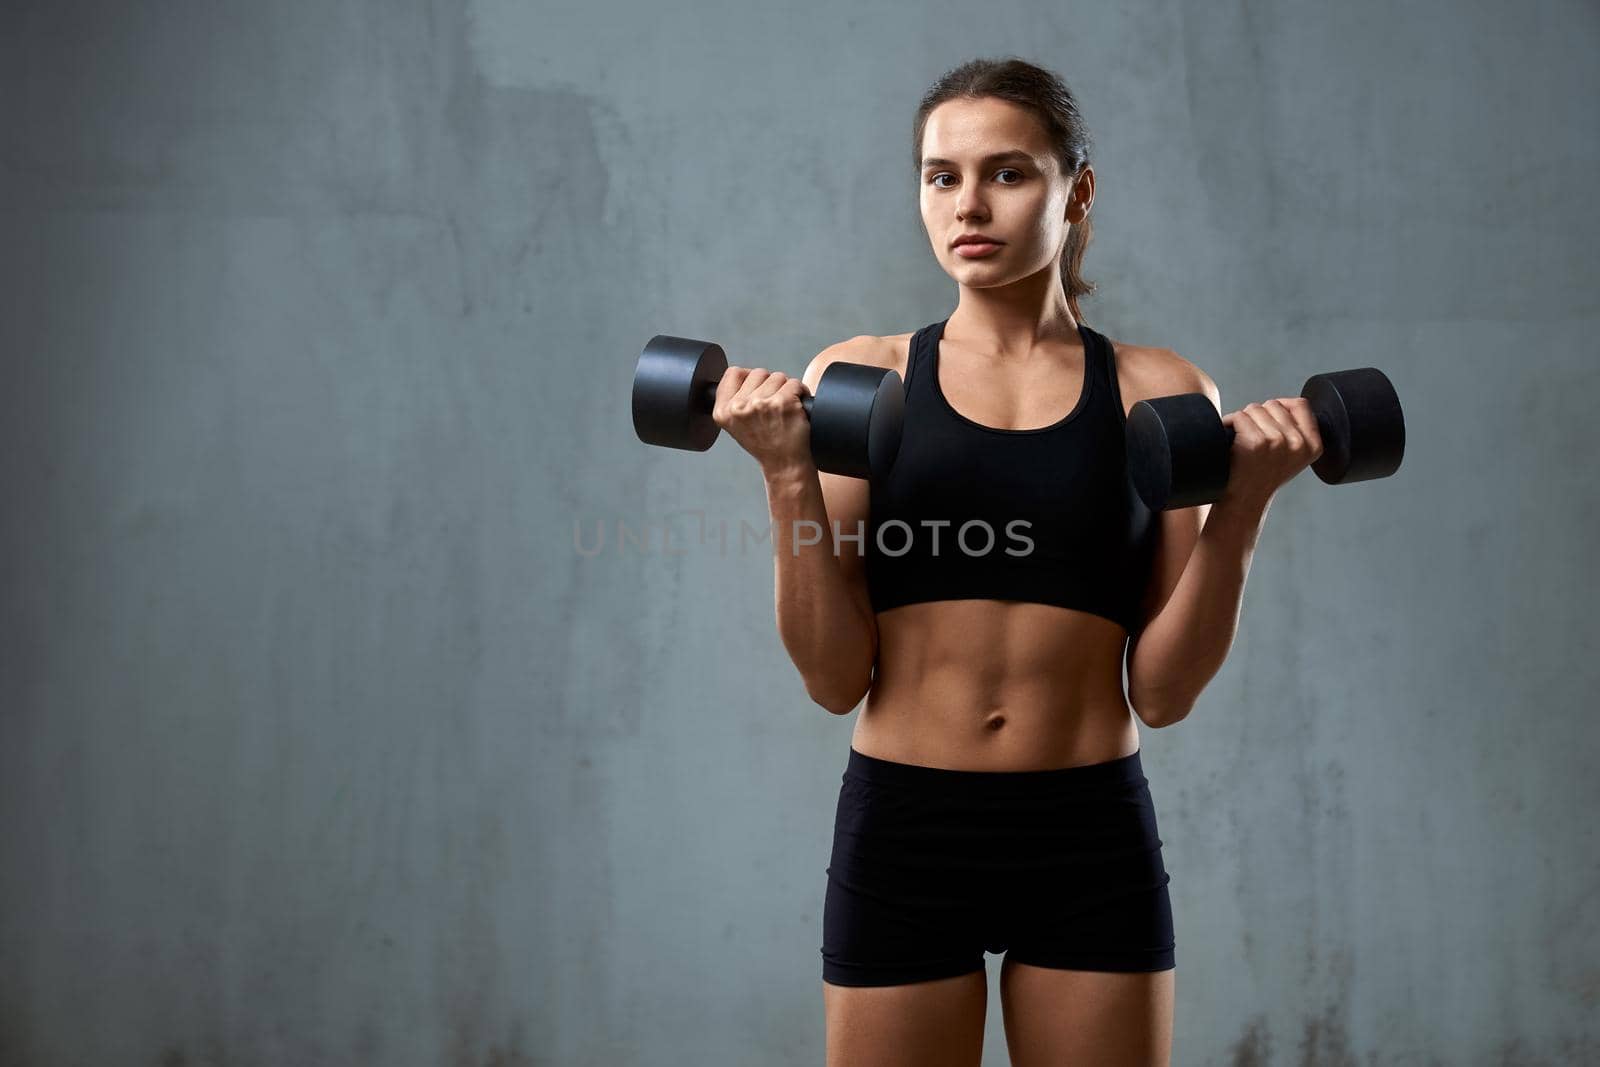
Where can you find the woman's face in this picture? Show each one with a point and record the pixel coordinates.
(1024, 200)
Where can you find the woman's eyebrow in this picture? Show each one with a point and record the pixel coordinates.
(1015, 153)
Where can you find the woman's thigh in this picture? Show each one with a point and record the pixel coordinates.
(937, 1023)
(1106, 1018)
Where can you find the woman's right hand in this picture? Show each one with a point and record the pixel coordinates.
(761, 410)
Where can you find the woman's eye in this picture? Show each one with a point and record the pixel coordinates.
(934, 180)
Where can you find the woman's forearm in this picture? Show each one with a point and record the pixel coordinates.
(1184, 645)
(832, 643)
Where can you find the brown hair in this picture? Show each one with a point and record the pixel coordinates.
(1020, 82)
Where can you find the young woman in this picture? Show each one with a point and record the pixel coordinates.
(981, 597)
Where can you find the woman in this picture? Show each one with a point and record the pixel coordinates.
(981, 597)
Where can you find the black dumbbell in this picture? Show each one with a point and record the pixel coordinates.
(855, 416)
(1178, 448)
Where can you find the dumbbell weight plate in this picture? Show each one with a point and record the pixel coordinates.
(672, 386)
(856, 419)
(1177, 451)
(1368, 429)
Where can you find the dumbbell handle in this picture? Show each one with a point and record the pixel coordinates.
(706, 398)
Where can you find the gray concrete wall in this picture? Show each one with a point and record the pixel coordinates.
(321, 744)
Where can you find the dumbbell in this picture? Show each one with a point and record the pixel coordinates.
(1178, 448)
(856, 414)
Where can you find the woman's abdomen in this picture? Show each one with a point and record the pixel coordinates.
(996, 685)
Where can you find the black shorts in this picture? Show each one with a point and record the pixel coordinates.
(932, 867)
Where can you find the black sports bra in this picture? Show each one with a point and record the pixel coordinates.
(1046, 515)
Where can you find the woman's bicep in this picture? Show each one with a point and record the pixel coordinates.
(1178, 530)
(847, 500)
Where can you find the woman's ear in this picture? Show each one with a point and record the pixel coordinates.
(1081, 195)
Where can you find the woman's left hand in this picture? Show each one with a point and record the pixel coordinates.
(1272, 443)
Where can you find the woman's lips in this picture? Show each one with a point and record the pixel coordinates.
(975, 250)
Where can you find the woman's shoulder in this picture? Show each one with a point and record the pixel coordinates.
(888, 352)
(1145, 371)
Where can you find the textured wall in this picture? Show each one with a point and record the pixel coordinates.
(321, 744)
